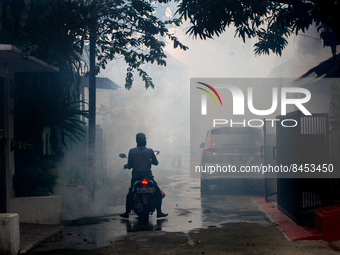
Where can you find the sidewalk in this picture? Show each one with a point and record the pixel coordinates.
(281, 237)
(32, 235)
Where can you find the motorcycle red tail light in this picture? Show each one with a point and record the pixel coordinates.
(145, 183)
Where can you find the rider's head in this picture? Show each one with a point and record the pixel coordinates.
(141, 139)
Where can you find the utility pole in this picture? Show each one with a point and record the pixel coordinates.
(92, 105)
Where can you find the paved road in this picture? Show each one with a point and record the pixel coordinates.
(214, 224)
(187, 211)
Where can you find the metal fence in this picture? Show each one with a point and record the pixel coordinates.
(307, 142)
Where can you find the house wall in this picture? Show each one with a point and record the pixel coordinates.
(38, 210)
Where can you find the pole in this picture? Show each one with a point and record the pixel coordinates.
(92, 105)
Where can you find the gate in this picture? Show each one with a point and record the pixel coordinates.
(307, 142)
(268, 151)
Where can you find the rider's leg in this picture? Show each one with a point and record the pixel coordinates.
(127, 205)
(159, 197)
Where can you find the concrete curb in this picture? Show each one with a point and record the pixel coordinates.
(292, 231)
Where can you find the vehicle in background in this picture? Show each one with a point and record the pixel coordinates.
(232, 148)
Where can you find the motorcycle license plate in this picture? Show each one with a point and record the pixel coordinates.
(145, 189)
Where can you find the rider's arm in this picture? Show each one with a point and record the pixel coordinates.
(154, 160)
(129, 164)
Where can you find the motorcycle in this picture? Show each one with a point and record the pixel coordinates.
(143, 201)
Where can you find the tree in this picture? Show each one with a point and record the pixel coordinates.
(270, 22)
(131, 30)
(122, 28)
(46, 29)
(57, 31)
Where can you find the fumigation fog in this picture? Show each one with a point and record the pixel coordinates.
(163, 113)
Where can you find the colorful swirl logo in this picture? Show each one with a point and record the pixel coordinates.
(209, 93)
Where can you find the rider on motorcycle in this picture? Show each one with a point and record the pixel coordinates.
(140, 160)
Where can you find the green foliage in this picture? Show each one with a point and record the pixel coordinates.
(130, 29)
(15, 144)
(57, 31)
(45, 108)
(270, 22)
(48, 31)
(44, 29)
(13, 14)
(65, 118)
(270, 41)
(46, 101)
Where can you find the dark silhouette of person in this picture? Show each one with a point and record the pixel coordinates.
(140, 160)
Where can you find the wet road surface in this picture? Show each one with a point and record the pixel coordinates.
(183, 202)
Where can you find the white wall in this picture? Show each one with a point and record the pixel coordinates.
(39, 210)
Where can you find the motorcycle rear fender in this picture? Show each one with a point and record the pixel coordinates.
(151, 182)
